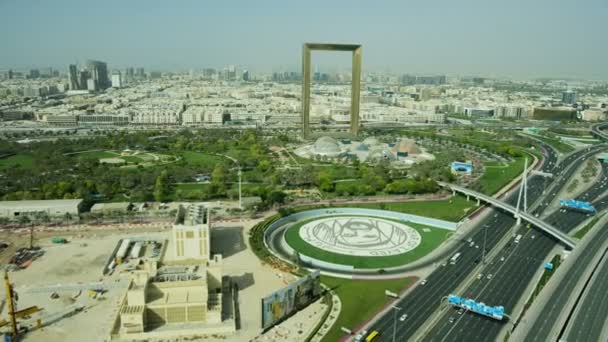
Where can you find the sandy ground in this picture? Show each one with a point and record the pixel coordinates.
(78, 265)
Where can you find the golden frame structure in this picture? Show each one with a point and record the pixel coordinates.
(356, 83)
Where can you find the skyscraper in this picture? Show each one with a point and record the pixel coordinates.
(569, 97)
(116, 79)
(246, 76)
(99, 74)
(73, 77)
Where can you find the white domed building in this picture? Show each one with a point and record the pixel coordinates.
(326, 146)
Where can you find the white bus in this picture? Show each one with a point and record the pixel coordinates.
(455, 258)
(517, 238)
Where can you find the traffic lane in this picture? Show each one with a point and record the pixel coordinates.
(542, 328)
(425, 298)
(506, 221)
(588, 323)
(534, 259)
(385, 318)
(492, 293)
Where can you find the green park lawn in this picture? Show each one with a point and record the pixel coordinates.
(431, 239)
(361, 299)
(556, 143)
(452, 209)
(132, 159)
(25, 161)
(498, 175)
(98, 154)
(202, 159)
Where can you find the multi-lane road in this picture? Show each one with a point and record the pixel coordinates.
(511, 271)
(513, 267)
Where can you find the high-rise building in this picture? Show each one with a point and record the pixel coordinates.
(129, 75)
(34, 73)
(569, 97)
(10, 74)
(83, 76)
(73, 77)
(117, 80)
(139, 73)
(46, 72)
(99, 74)
(246, 75)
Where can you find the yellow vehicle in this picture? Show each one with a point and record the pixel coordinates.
(372, 336)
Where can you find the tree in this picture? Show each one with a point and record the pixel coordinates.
(161, 187)
(324, 182)
(276, 197)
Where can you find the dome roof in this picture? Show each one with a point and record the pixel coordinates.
(326, 146)
(371, 141)
(380, 153)
(406, 146)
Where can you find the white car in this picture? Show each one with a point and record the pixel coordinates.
(403, 317)
(423, 282)
(360, 335)
(502, 259)
(489, 276)
(480, 275)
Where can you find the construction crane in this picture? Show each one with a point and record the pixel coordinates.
(11, 307)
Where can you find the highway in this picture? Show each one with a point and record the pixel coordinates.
(425, 299)
(592, 316)
(511, 271)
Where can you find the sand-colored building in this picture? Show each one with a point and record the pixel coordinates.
(185, 295)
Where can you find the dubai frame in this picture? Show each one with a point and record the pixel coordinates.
(356, 83)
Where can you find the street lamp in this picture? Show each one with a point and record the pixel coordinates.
(395, 310)
(483, 252)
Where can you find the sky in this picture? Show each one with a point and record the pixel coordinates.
(516, 38)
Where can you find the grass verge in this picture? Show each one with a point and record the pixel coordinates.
(361, 299)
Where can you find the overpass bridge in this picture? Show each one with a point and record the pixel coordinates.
(596, 130)
(549, 229)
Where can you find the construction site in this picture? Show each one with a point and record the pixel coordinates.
(184, 281)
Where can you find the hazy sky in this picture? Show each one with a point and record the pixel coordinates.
(549, 38)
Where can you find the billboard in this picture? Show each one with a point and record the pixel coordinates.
(288, 300)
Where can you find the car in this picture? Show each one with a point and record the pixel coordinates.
(472, 244)
(489, 276)
(460, 312)
(360, 335)
(477, 246)
(423, 282)
(532, 237)
(451, 319)
(403, 317)
(480, 275)
(502, 259)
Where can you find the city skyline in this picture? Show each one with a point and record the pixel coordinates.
(469, 39)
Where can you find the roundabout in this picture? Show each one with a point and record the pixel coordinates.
(355, 240)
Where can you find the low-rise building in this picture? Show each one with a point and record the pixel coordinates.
(13, 210)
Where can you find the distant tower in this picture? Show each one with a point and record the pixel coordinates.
(99, 74)
(73, 77)
(117, 80)
(569, 97)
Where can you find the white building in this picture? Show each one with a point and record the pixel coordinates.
(191, 234)
(117, 80)
(32, 208)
